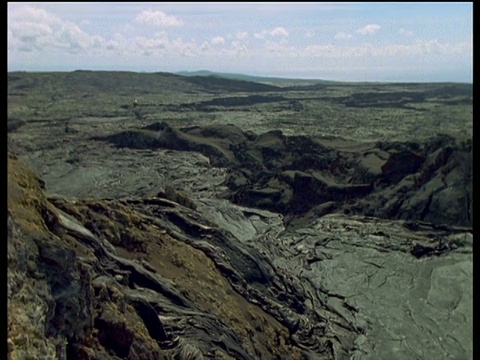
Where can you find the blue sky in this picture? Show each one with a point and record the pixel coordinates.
(354, 41)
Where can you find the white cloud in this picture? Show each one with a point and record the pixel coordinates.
(72, 38)
(238, 48)
(260, 35)
(150, 46)
(30, 31)
(158, 18)
(279, 31)
(369, 29)
(416, 49)
(30, 28)
(209, 49)
(403, 31)
(343, 36)
(29, 13)
(274, 48)
(34, 29)
(217, 40)
(182, 48)
(242, 35)
(310, 34)
(205, 46)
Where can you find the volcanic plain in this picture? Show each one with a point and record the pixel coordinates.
(163, 216)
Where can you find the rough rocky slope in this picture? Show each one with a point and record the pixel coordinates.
(145, 279)
(167, 275)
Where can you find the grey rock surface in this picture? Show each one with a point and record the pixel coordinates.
(356, 272)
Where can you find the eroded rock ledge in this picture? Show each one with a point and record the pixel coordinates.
(300, 175)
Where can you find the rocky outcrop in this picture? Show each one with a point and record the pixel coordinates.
(294, 175)
(436, 185)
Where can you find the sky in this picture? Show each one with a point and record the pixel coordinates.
(351, 41)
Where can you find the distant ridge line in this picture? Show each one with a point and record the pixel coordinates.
(254, 78)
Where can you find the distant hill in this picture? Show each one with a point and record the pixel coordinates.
(125, 83)
(259, 79)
